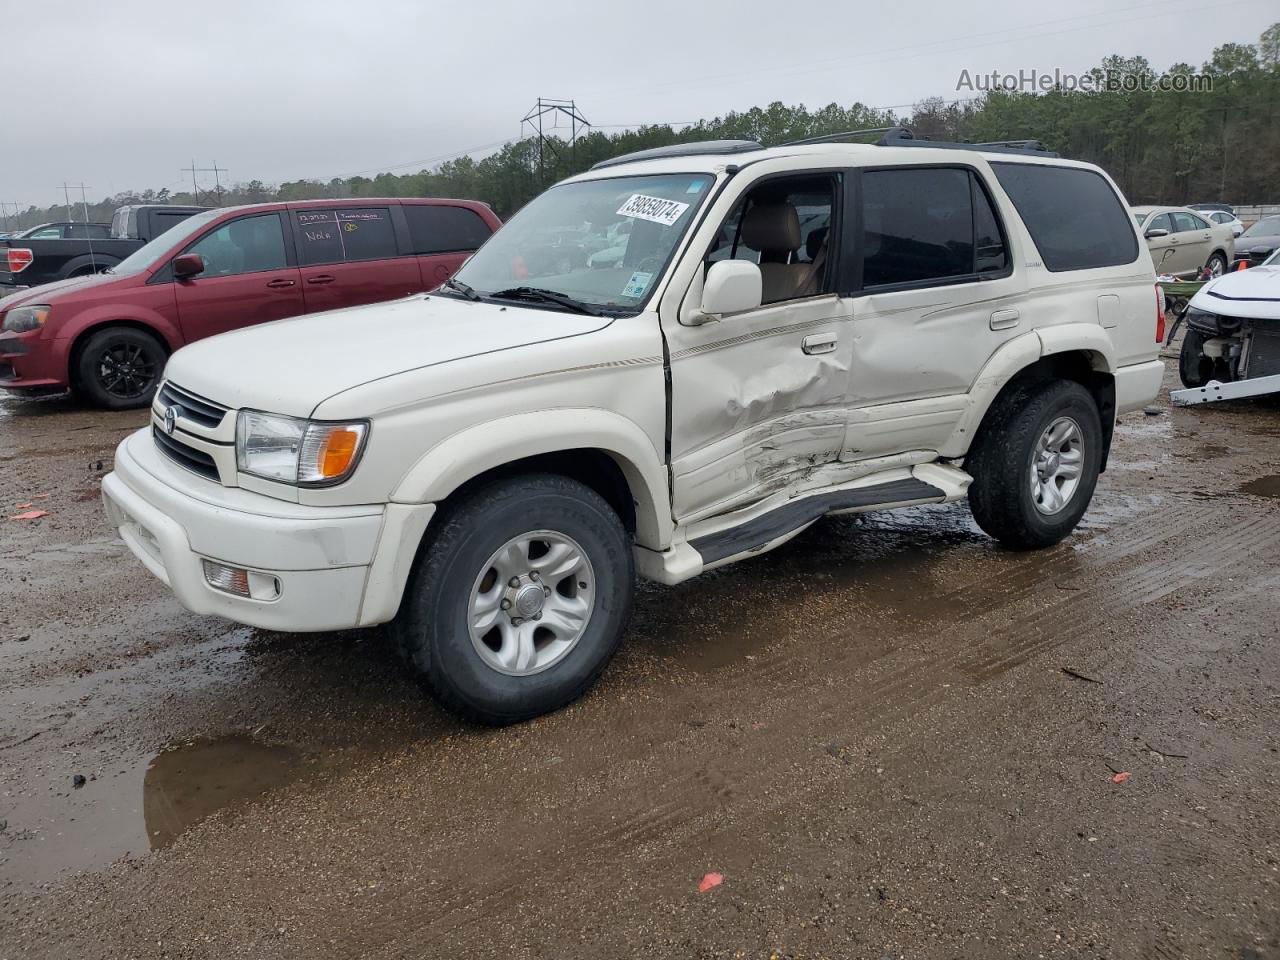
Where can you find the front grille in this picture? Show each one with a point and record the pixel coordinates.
(194, 408)
(1264, 354)
(197, 461)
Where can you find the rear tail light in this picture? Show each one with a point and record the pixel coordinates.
(1159, 314)
(19, 259)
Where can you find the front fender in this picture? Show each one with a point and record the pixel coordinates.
(474, 450)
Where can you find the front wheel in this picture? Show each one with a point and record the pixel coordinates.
(1036, 464)
(119, 368)
(519, 599)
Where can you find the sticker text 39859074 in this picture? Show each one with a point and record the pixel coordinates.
(654, 209)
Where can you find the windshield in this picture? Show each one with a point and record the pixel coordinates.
(147, 255)
(603, 243)
(1269, 227)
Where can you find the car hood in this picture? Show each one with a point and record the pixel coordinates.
(292, 366)
(46, 291)
(1253, 294)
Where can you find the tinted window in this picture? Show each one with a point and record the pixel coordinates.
(1073, 215)
(1264, 228)
(162, 220)
(247, 245)
(990, 250)
(334, 236)
(89, 231)
(444, 229)
(918, 225)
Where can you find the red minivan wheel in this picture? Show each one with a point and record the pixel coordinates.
(119, 368)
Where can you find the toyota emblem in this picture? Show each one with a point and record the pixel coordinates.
(171, 419)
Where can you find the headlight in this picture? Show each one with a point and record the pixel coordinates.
(24, 319)
(302, 452)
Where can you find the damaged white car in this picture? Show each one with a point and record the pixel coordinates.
(790, 332)
(1231, 349)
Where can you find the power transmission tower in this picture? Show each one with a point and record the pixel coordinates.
(215, 170)
(536, 120)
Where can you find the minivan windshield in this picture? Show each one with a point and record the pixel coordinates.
(146, 255)
(596, 244)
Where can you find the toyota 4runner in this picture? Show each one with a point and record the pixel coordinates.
(789, 332)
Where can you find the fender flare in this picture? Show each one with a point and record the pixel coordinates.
(1016, 355)
(472, 451)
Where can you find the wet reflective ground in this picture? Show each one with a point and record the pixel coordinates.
(869, 732)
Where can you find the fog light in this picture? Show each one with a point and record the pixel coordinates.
(231, 579)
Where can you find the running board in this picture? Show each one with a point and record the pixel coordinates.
(764, 527)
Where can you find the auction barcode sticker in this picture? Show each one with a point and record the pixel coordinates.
(655, 209)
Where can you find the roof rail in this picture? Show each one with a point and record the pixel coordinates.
(903, 137)
(682, 150)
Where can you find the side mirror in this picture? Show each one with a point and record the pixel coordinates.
(731, 287)
(188, 265)
(1155, 232)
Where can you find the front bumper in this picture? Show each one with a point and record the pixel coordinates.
(338, 567)
(30, 362)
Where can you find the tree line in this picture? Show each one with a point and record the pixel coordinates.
(1164, 141)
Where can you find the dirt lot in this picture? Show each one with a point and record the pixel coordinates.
(871, 733)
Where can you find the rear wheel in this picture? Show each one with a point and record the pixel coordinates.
(119, 368)
(1216, 265)
(1036, 464)
(519, 599)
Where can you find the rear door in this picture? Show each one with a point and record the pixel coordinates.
(249, 277)
(938, 296)
(350, 256)
(442, 236)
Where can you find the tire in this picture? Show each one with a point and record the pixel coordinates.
(1216, 265)
(119, 368)
(1003, 460)
(1194, 368)
(469, 671)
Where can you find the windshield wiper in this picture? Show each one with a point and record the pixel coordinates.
(463, 289)
(547, 296)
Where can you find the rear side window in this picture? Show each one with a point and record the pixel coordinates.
(443, 229)
(1073, 215)
(337, 236)
(1186, 221)
(87, 231)
(933, 224)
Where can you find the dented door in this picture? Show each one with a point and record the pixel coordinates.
(752, 411)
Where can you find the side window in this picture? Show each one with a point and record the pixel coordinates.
(1187, 221)
(990, 251)
(785, 226)
(337, 236)
(162, 220)
(1161, 222)
(1221, 217)
(48, 233)
(437, 228)
(1072, 213)
(246, 245)
(918, 225)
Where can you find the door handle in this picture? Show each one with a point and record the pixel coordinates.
(281, 282)
(1004, 319)
(322, 278)
(818, 343)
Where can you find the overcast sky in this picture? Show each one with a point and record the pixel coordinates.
(123, 95)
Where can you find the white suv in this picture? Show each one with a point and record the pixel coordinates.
(790, 332)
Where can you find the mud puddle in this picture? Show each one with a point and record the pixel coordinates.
(1262, 487)
(130, 808)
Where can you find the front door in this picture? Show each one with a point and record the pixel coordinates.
(247, 278)
(758, 397)
(1164, 250)
(939, 296)
(350, 256)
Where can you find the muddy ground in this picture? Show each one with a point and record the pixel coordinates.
(891, 737)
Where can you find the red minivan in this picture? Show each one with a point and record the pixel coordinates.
(107, 336)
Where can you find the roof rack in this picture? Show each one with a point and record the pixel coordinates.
(903, 137)
(683, 150)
